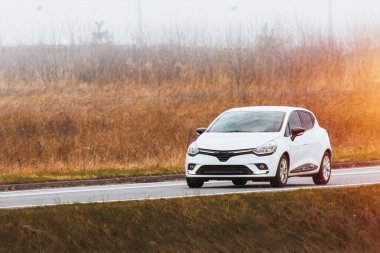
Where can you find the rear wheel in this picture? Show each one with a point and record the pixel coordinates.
(281, 177)
(194, 183)
(239, 182)
(323, 176)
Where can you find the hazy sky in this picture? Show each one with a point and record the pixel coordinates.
(33, 21)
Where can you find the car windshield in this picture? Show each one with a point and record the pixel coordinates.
(253, 122)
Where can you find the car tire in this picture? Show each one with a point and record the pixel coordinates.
(324, 174)
(194, 183)
(239, 182)
(282, 173)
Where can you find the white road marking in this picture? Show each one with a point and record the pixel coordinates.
(82, 189)
(355, 173)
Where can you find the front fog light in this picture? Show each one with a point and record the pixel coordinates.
(191, 166)
(261, 166)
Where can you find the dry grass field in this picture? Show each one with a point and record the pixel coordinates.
(103, 106)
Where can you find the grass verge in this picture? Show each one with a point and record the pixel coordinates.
(344, 220)
(86, 174)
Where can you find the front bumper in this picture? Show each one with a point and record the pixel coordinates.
(250, 161)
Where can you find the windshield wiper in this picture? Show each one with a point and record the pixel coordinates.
(237, 131)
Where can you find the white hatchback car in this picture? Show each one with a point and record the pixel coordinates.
(262, 143)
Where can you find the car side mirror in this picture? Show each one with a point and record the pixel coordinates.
(201, 130)
(297, 131)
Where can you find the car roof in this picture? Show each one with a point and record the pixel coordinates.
(266, 108)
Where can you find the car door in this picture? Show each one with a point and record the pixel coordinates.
(312, 142)
(297, 151)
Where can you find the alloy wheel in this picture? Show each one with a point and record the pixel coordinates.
(326, 167)
(284, 170)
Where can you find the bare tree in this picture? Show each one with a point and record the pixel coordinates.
(101, 35)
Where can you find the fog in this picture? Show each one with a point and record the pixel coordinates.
(70, 21)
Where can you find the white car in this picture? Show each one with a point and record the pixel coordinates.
(262, 143)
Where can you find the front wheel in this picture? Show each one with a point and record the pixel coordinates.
(194, 183)
(281, 177)
(324, 174)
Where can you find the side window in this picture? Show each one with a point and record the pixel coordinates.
(306, 120)
(312, 118)
(294, 120)
(287, 131)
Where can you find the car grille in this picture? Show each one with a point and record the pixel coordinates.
(223, 156)
(224, 170)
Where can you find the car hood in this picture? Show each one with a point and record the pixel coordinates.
(233, 141)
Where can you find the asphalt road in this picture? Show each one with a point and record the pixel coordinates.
(174, 189)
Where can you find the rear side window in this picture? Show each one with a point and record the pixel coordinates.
(307, 120)
(312, 118)
(294, 120)
(287, 131)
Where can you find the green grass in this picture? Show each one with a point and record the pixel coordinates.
(87, 174)
(336, 220)
(358, 153)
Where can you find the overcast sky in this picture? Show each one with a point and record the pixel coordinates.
(34, 21)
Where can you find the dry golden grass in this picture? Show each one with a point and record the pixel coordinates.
(89, 107)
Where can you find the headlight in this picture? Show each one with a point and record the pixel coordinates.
(266, 149)
(193, 149)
